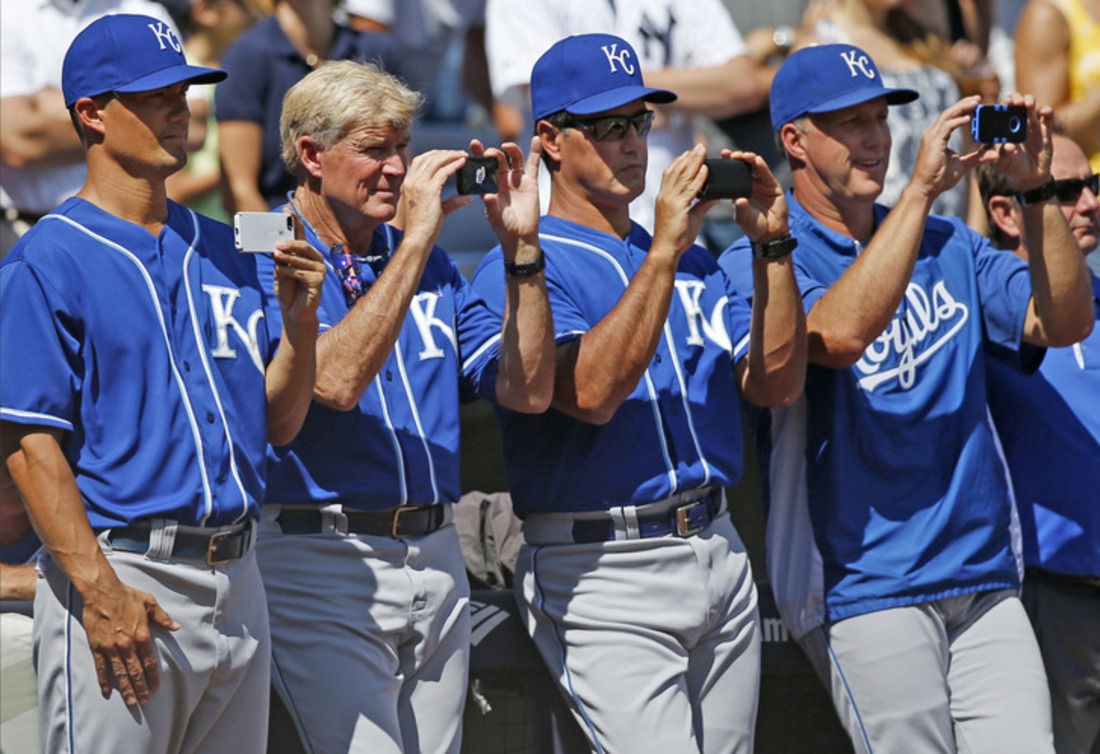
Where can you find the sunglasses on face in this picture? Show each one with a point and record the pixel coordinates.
(613, 127)
(1069, 189)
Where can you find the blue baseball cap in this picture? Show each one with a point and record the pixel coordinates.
(127, 53)
(825, 78)
(589, 73)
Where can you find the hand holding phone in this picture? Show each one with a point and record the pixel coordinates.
(258, 232)
(726, 179)
(477, 176)
(995, 124)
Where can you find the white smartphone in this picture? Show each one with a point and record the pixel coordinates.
(260, 231)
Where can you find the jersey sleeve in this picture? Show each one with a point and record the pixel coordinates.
(41, 372)
(478, 330)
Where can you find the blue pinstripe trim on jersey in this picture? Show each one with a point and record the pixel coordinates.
(399, 459)
(197, 330)
(33, 417)
(196, 435)
(540, 600)
(686, 403)
(416, 420)
(1015, 531)
(480, 350)
(847, 691)
(69, 618)
(673, 483)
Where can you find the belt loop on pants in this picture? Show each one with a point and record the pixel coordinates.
(163, 538)
(683, 515)
(403, 521)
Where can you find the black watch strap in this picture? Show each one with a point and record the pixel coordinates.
(525, 269)
(779, 247)
(1037, 195)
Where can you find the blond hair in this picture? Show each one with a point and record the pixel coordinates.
(338, 97)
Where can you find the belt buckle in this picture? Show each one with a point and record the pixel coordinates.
(397, 517)
(210, 548)
(683, 526)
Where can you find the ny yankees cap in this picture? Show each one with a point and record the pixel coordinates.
(825, 78)
(127, 53)
(589, 73)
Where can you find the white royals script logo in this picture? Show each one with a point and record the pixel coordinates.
(927, 324)
(222, 300)
(620, 57)
(165, 37)
(858, 65)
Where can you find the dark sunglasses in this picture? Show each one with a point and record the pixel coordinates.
(613, 127)
(1069, 189)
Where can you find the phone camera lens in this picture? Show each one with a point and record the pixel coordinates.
(1014, 124)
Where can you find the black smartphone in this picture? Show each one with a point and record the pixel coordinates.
(477, 176)
(726, 179)
(994, 124)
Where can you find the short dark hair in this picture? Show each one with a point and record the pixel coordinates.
(557, 120)
(100, 100)
(992, 182)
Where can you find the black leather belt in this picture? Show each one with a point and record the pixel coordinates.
(406, 521)
(214, 548)
(683, 520)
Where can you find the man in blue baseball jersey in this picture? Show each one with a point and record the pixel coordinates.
(889, 546)
(140, 389)
(365, 578)
(634, 584)
(1049, 426)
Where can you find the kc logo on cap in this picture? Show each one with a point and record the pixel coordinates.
(589, 73)
(127, 53)
(824, 78)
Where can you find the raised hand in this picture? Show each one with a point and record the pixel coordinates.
(677, 221)
(938, 167)
(513, 211)
(1026, 165)
(763, 215)
(299, 275)
(421, 209)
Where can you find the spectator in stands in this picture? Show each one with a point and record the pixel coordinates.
(263, 64)
(41, 159)
(1049, 425)
(1058, 60)
(209, 27)
(691, 47)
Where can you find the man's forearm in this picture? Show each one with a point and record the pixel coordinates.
(525, 377)
(352, 352)
(37, 464)
(776, 368)
(289, 380)
(1060, 286)
(860, 304)
(596, 372)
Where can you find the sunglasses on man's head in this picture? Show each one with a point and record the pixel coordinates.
(613, 127)
(1069, 189)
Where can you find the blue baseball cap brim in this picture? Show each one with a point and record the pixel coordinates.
(824, 78)
(127, 53)
(589, 73)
